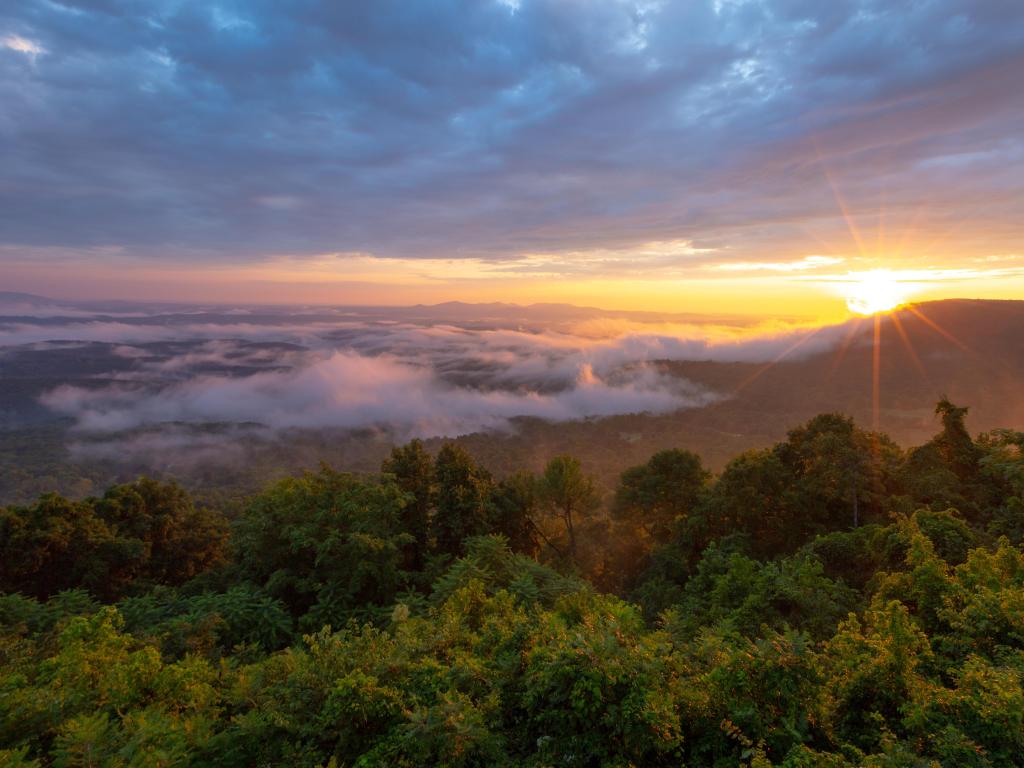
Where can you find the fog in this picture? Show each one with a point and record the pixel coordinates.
(440, 371)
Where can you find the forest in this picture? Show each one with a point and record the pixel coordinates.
(833, 600)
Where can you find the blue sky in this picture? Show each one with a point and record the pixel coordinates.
(568, 140)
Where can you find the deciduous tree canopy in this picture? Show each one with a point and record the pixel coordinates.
(820, 603)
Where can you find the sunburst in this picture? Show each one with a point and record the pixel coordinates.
(879, 290)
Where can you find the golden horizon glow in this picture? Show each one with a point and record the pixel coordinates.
(809, 287)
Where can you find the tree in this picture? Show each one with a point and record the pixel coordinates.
(327, 544)
(841, 472)
(57, 544)
(947, 470)
(732, 592)
(461, 492)
(655, 495)
(872, 674)
(144, 531)
(828, 475)
(743, 656)
(1002, 472)
(413, 470)
(597, 689)
(180, 539)
(515, 505)
(749, 497)
(96, 696)
(568, 494)
(954, 442)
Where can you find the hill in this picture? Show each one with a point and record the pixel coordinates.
(970, 351)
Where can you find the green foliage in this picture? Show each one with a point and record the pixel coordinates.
(744, 699)
(568, 495)
(210, 621)
(490, 562)
(142, 532)
(27, 615)
(984, 604)
(828, 475)
(872, 671)
(598, 689)
(180, 539)
(819, 604)
(854, 557)
(98, 697)
(17, 758)
(56, 544)
(655, 495)
(327, 545)
(951, 536)
(954, 442)
(1002, 473)
(515, 508)
(461, 492)
(413, 471)
(736, 594)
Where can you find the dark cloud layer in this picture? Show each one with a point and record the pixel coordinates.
(234, 130)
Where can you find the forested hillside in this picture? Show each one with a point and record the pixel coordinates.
(833, 600)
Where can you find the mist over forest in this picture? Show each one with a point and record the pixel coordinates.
(220, 396)
(833, 599)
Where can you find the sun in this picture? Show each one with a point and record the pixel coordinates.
(879, 290)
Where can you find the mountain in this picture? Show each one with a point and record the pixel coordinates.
(970, 351)
(25, 299)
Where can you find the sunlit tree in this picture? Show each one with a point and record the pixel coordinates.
(568, 494)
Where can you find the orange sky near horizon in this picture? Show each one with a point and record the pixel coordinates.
(810, 288)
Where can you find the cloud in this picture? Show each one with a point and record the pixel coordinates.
(148, 329)
(805, 264)
(234, 132)
(172, 448)
(21, 45)
(350, 390)
(428, 377)
(28, 333)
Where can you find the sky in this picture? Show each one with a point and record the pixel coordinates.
(746, 156)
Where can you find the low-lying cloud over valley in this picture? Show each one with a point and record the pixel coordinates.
(425, 371)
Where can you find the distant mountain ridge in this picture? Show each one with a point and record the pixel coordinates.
(442, 310)
(25, 298)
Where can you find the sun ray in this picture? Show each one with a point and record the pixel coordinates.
(911, 352)
(953, 339)
(909, 231)
(876, 376)
(767, 366)
(938, 328)
(843, 208)
(880, 239)
(844, 345)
